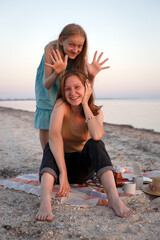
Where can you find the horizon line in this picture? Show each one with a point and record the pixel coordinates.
(97, 98)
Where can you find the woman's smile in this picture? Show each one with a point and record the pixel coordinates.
(74, 90)
(74, 98)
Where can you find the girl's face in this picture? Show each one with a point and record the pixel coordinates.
(72, 46)
(74, 90)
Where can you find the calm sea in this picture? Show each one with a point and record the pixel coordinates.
(138, 113)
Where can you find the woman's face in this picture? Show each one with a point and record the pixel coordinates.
(72, 46)
(74, 90)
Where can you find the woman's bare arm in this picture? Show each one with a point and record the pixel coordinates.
(95, 123)
(56, 145)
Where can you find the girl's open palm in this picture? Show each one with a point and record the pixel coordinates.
(96, 66)
(58, 64)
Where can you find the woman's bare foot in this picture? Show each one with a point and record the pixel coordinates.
(45, 210)
(120, 209)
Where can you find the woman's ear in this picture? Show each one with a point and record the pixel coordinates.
(60, 41)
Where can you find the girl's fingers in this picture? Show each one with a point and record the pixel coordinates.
(104, 61)
(86, 60)
(52, 58)
(88, 87)
(99, 57)
(105, 67)
(88, 83)
(49, 65)
(58, 54)
(60, 190)
(95, 55)
(63, 191)
(62, 194)
(66, 59)
(55, 55)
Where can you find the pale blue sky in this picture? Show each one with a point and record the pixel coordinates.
(127, 31)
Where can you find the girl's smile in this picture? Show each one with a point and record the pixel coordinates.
(72, 46)
(74, 90)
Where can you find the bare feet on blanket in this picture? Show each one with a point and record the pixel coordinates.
(120, 209)
(45, 210)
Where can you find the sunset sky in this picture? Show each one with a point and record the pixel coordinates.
(127, 31)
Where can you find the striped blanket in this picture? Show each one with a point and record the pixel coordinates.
(81, 195)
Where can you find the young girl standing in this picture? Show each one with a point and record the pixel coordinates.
(69, 51)
(75, 150)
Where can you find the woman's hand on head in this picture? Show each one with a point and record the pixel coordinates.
(64, 186)
(88, 92)
(58, 64)
(96, 66)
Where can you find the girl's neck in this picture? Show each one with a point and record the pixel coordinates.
(77, 110)
(70, 61)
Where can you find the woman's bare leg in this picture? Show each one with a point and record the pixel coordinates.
(44, 137)
(45, 210)
(114, 201)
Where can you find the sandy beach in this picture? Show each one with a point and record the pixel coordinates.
(20, 153)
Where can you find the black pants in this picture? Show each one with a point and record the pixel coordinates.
(80, 165)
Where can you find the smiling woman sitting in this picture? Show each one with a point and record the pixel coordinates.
(75, 150)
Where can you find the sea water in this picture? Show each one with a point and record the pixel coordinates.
(139, 113)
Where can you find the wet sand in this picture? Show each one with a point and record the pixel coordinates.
(20, 152)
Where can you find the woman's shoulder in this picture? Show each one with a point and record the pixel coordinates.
(61, 108)
(60, 103)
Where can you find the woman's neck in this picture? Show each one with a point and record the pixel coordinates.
(77, 110)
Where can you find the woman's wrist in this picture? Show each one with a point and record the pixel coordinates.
(85, 104)
(63, 171)
(89, 118)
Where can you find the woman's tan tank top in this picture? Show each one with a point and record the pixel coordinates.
(74, 137)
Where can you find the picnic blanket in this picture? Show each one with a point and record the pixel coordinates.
(81, 195)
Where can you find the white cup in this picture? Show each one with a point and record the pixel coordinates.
(138, 180)
(129, 187)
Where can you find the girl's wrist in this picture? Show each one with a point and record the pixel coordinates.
(91, 76)
(63, 172)
(56, 74)
(89, 118)
(85, 105)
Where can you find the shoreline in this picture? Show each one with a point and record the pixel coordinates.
(105, 123)
(20, 153)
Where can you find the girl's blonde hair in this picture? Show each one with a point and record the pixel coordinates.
(82, 77)
(69, 31)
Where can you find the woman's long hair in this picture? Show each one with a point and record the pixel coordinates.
(82, 77)
(69, 31)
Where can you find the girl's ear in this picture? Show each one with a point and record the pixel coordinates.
(60, 41)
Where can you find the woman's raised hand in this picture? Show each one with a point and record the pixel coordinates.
(88, 92)
(96, 66)
(58, 64)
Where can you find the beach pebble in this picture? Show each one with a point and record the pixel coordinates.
(155, 203)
